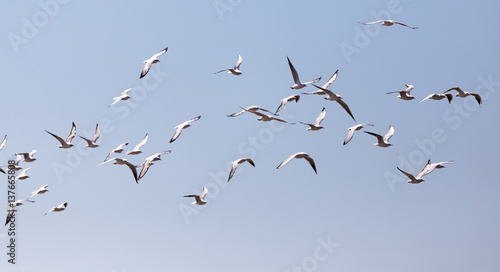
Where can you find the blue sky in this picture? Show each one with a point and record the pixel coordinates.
(64, 61)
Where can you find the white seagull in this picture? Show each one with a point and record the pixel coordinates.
(28, 157)
(41, 190)
(150, 61)
(59, 208)
(250, 109)
(199, 199)
(119, 161)
(387, 23)
(432, 166)
(118, 149)
(136, 150)
(352, 129)
(461, 93)
(123, 96)
(67, 143)
(405, 95)
(2, 144)
(235, 163)
(297, 84)
(317, 123)
(287, 99)
(179, 128)
(383, 141)
(149, 161)
(268, 118)
(439, 97)
(418, 178)
(236, 70)
(337, 98)
(299, 155)
(23, 175)
(92, 143)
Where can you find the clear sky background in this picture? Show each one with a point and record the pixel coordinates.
(64, 63)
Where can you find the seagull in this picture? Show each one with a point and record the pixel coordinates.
(299, 155)
(383, 141)
(267, 118)
(150, 61)
(387, 23)
(28, 157)
(319, 119)
(119, 161)
(67, 143)
(250, 109)
(461, 93)
(418, 178)
(432, 166)
(350, 134)
(149, 161)
(123, 96)
(59, 208)
(10, 215)
(235, 163)
(92, 143)
(288, 99)
(337, 98)
(439, 97)
(17, 202)
(22, 175)
(118, 149)
(41, 190)
(136, 150)
(179, 128)
(326, 85)
(2, 144)
(199, 199)
(236, 70)
(297, 84)
(405, 95)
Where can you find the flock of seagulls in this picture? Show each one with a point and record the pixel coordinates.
(262, 114)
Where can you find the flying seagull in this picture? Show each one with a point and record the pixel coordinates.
(287, 99)
(383, 141)
(352, 129)
(136, 150)
(2, 144)
(439, 97)
(250, 109)
(387, 23)
(337, 98)
(299, 155)
(235, 163)
(41, 190)
(27, 157)
(119, 161)
(118, 149)
(199, 199)
(297, 84)
(179, 128)
(418, 178)
(236, 70)
(150, 61)
(92, 143)
(59, 208)
(461, 93)
(316, 125)
(23, 175)
(268, 118)
(67, 143)
(405, 95)
(149, 161)
(123, 96)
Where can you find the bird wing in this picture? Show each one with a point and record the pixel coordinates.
(141, 143)
(282, 104)
(96, 134)
(145, 168)
(331, 80)
(389, 134)
(455, 89)
(350, 133)
(478, 98)
(325, 91)
(125, 92)
(410, 176)
(311, 162)
(134, 171)
(371, 23)
(294, 72)
(380, 139)
(194, 119)
(221, 71)
(205, 191)
(89, 142)
(155, 56)
(234, 164)
(320, 117)
(236, 113)
(2, 145)
(178, 130)
(72, 133)
(405, 25)
(312, 81)
(287, 160)
(450, 97)
(427, 97)
(346, 108)
(146, 68)
(57, 137)
(426, 170)
(238, 63)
